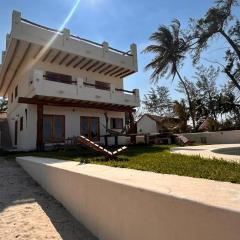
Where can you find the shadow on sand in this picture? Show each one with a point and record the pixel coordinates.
(16, 187)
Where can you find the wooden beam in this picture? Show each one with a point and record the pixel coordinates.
(39, 141)
(11, 59)
(64, 58)
(78, 104)
(88, 62)
(71, 61)
(47, 55)
(113, 69)
(93, 65)
(38, 51)
(20, 63)
(103, 70)
(56, 56)
(124, 72)
(127, 74)
(119, 70)
(99, 67)
(79, 62)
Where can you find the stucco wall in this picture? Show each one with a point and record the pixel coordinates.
(220, 137)
(27, 137)
(146, 125)
(124, 204)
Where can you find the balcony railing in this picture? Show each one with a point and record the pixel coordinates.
(65, 87)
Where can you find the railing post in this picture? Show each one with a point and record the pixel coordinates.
(105, 47)
(16, 20)
(66, 35)
(112, 89)
(134, 54)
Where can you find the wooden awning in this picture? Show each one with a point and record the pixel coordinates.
(63, 102)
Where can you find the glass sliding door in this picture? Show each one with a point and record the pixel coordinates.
(89, 127)
(53, 128)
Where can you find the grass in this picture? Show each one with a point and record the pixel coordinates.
(155, 158)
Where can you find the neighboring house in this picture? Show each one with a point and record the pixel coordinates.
(208, 125)
(155, 124)
(59, 85)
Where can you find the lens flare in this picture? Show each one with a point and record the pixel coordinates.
(50, 42)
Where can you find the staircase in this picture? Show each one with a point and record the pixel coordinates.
(91, 145)
(5, 138)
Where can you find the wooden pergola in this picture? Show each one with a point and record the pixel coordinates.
(42, 101)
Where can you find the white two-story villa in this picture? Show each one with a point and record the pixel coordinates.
(59, 85)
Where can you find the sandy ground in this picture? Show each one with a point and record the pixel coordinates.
(28, 212)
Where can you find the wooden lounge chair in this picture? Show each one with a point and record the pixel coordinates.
(185, 141)
(93, 146)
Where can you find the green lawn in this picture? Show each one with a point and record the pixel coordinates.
(155, 159)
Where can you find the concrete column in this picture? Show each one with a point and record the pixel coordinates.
(38, 78)
(66, 35)
(105, 47)
(134, 53)
(112, 90)
(16, 21)
(3, 55)
(7, 40)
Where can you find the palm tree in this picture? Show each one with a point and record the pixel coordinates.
(170, 50)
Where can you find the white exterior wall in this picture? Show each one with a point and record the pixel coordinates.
(125, 204)
(221, 137)
(27, 137)
(146, 125)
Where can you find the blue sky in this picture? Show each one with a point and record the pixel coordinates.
(119, 22)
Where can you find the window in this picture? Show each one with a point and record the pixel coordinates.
(11, 97)
(102, 85)
(21, 123)
(117, 123)
(57, 77)
(16, 91)
(53, 128)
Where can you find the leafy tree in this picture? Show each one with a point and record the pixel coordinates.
(190, 92)
(207, 90)
(181, 111)
(157, 101)
(219, 21)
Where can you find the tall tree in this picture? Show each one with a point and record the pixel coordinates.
(207, 90)
(169, 51)
(157, 101)
(181, 111)
(188, 89)
(219, 21)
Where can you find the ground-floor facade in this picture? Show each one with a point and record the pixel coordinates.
(60, 123)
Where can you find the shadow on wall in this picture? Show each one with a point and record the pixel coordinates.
(19, 188)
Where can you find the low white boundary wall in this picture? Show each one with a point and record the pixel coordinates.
(123, 204)
(220, 137)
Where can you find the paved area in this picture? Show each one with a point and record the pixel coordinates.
(27, 212)
(210, 151)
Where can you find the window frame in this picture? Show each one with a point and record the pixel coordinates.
(58, 77)
(53, 138)
(16, 91)
(113, 124)
(21, 123)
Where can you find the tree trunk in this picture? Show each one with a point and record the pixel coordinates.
(231, 42)
(189, 100)
(236, 84)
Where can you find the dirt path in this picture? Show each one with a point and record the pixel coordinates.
(28, 212)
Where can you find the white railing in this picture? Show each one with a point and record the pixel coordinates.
(82, 90)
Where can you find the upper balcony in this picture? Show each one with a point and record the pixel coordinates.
(30, 45)
(44, 90)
